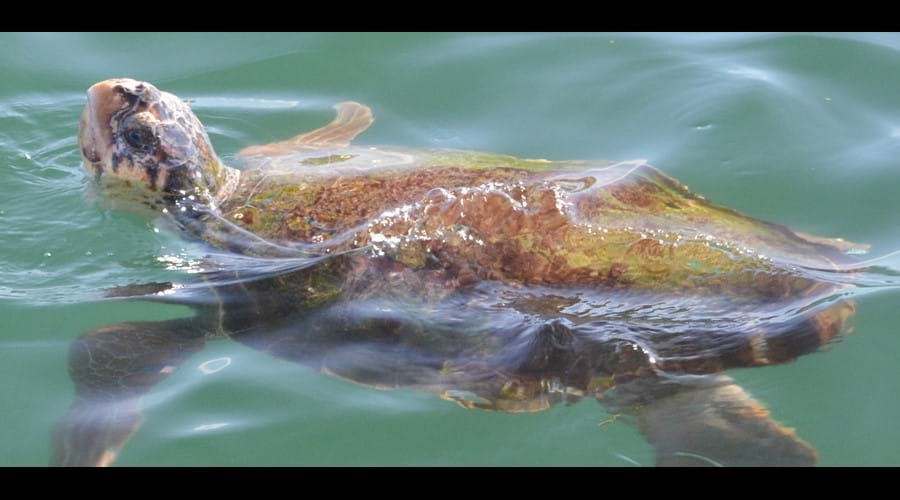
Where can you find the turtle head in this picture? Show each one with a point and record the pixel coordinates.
(150, 141)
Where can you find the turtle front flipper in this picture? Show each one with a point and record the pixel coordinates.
(352, 119)
(710, 423)
(112, 367)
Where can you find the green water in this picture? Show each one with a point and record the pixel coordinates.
(799, 129)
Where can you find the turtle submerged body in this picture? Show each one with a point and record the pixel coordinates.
(496, 282)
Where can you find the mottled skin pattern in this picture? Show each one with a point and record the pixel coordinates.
(496, 282)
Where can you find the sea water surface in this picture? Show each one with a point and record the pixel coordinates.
(800, 129)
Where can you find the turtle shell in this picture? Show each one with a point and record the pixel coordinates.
(506, 283)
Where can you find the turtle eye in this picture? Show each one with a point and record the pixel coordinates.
(134, 137)
(139, 135)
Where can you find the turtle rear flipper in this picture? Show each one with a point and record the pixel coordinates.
(775, 342)
(714, 424)
(352, 119)
(112, 367)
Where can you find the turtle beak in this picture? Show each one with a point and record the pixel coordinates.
(95, 136)
(102, 95)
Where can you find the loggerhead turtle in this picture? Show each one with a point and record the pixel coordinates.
(499, 283)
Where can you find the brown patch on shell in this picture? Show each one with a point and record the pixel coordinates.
(639, 194)
(646, 248)
(344, 202)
